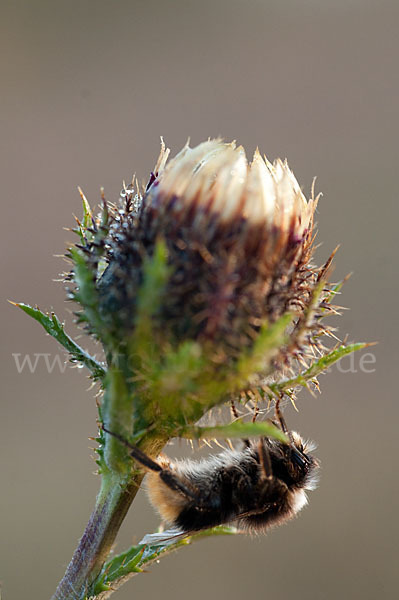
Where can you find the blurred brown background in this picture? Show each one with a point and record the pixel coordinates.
(87, 88)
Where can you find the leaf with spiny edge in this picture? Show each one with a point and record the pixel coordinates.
(317, 367)
(55, 328)
(86, 295)
(124, 566)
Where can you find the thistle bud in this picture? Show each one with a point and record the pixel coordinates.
(238, 237)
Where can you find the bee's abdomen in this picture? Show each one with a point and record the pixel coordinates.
(223, 492)
(192, 518)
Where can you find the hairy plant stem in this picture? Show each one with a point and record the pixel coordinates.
(114, 499)
(111, 507)
(120, 483)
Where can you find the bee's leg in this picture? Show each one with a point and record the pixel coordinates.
(281, 420)
(168, 477)
(233, 410)
(264, 460)
(237, 416)
(256, 410)
(174, 483)
(136, 453)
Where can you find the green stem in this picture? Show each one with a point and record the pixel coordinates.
(120, 484)
(117, 493)
(95, 545)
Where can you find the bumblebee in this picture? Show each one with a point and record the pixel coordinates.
(261, 485)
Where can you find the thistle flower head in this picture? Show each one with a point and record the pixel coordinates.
(216, 178)
(238, 237)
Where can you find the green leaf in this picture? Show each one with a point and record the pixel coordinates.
(55, 328)
(316, 368)
(86, 295)
(120, 568)
(238, 429)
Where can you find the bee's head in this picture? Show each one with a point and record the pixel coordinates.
(300, 462)
(295, 465)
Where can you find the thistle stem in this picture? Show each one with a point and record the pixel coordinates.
(119, 486)
(112, 504)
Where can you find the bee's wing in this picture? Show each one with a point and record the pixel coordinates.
(164, 538)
